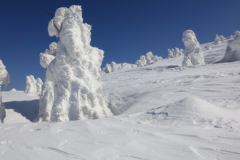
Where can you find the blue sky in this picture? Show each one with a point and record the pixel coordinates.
(124, 29)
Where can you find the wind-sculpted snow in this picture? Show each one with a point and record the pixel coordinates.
(149, 58)
(72, 89)
(193, 51)
(175, 52)
(33, 86)
(233, 49)
(49, 54)
(113, 67)
(4, 79)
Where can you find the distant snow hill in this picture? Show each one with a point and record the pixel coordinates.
(162, 111)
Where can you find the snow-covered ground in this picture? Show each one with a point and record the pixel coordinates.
(162, 111)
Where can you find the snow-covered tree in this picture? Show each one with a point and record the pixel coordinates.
(33, 86)
(170, 53)
(4, 79)
(192, 48)
(175, 52)
(233, 49)
(49, 54)
(72, 89)
(219, 39)
(113, 67)
(149, 58)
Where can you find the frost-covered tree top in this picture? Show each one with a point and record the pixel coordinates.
(4, 75)
(192, 48)
(72, 89)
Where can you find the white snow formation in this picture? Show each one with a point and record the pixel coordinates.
(4, 79)
(72, 89)
(219, 39)
(175, 52)
(113, 67)
(49, 54)
(33, 86)
(233, 49)
(193, 49)
(149, 58)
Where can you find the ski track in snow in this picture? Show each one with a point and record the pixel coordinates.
(152, 124)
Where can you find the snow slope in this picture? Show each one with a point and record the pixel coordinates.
(162, 111)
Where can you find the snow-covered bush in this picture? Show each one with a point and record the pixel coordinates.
(113, 67)
(233, 49)
(72, 89)
(175, 52)
(149, 58)
(33, 86)
(4, 79)
(219, 39)
(49, 54)
(192, 49)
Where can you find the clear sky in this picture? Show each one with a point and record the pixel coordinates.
(124, 29)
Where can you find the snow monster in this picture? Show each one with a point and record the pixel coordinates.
(72, 88)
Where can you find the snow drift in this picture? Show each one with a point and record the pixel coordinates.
(4, 79)
(192, 111)
(233, 49)
(193, 52)
(33, 86)
(72, 88)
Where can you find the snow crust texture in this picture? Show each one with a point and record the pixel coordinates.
(233, 49)
(72, 88)
(193, 52)
(147, 59)
(33, 86)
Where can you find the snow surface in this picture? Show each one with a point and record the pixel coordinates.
(162, 111)
(72, 89)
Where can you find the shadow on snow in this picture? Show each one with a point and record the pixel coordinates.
(28, 109)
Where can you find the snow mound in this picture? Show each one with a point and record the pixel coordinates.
(13, 90)
(33, 86)
(233, 49)
(72, 89)
(193, 52)
(192, 111)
